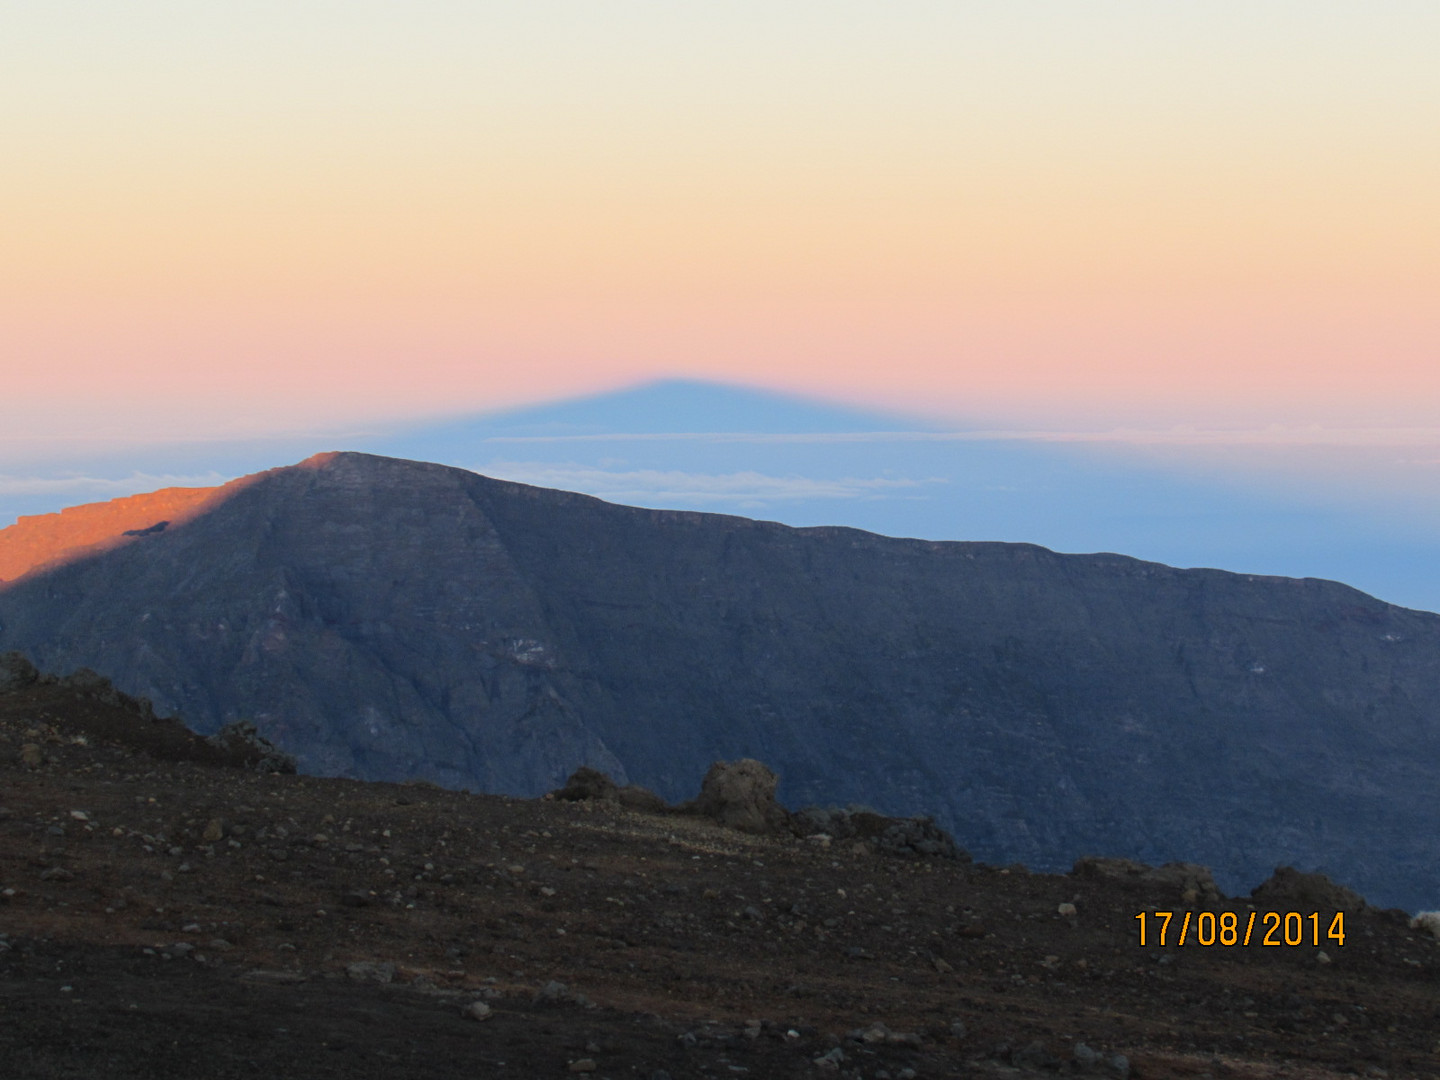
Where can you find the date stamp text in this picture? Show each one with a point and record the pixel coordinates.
(1227, 928)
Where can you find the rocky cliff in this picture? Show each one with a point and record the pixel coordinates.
(381, 619)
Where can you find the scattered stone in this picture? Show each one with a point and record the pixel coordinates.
(583, 1065)
(215, 831)
(369, 971)
(478, 1010)
(553, 990)
(1033, 1055)
(875, 1033)
(57, 873)
(1066, 910)
(1424, 920)
(241, 740)
(915, 837)
(31, 756)
(830, 1061)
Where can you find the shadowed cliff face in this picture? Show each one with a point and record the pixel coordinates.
(387, 619)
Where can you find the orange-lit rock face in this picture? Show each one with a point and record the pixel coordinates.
(50, 539)
(43, 541)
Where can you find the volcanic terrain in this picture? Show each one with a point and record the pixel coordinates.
(389, 620)
(164, 913)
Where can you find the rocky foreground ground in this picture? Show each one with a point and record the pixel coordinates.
(166, 916)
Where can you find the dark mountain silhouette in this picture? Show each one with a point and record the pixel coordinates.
(386, 619)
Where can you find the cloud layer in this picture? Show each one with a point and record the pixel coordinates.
(95, 488)
(675, 486)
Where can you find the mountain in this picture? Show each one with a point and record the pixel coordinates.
(386, 619)
(695, 445)
(1307, 510)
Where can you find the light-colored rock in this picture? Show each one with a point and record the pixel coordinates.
(1427, 920)
(370, 971)
(478, 1010)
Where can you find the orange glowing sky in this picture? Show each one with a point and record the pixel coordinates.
(243, 218)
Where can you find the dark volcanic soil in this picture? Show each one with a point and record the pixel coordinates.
(163, 918)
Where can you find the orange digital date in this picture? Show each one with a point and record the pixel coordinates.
(1208, 928)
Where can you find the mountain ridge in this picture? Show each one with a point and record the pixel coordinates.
(387, 619)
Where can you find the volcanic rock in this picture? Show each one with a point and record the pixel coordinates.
(587, 784)
(740, 794)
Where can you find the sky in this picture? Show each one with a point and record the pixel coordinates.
(1205, 231)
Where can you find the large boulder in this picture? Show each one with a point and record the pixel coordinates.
(741, 795)
(16, 672)
(1289, 890)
